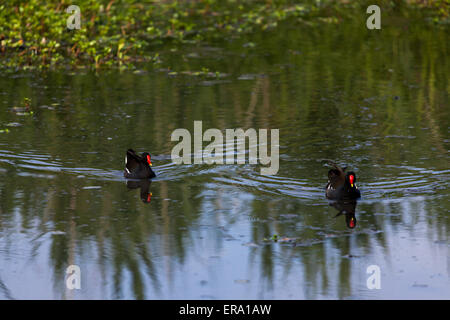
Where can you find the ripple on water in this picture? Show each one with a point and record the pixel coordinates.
(396, 182)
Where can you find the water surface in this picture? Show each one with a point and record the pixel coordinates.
(376, 102)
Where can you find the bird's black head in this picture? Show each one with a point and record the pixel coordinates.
(146, 156)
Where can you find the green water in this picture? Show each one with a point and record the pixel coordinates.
(376, 101)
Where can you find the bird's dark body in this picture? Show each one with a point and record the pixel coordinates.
(339, 186)
(137, 167)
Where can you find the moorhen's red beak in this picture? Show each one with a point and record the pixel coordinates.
(149, 160)
(351, 178)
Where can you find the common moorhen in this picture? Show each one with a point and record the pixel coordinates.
(341, 185)
(138, 167)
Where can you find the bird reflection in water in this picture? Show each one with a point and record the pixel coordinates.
(347, 208)
(144, 185)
